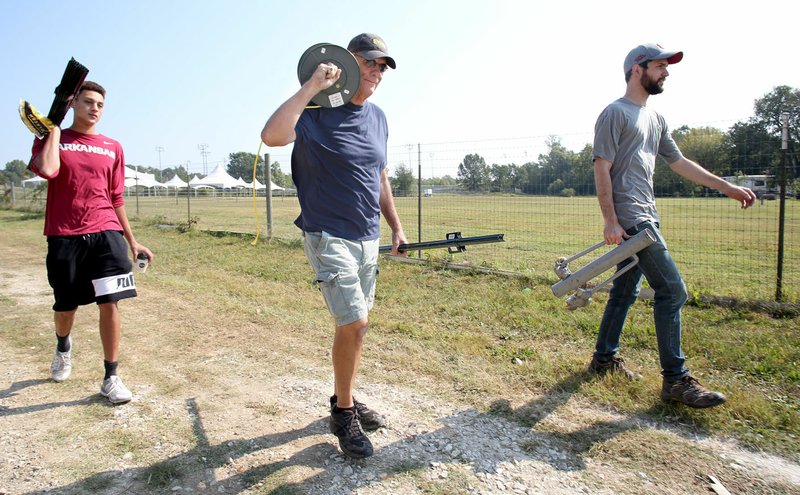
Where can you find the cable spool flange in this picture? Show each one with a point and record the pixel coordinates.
(343, 90)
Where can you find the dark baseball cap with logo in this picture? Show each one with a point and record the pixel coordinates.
(648, 52)
(371, 46)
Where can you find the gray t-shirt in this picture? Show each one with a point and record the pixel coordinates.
(630, 136)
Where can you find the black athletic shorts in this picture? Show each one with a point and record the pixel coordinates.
(83, 269)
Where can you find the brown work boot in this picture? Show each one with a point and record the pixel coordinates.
(688, 391)
(616, 365)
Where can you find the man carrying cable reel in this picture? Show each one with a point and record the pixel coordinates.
(339, 167)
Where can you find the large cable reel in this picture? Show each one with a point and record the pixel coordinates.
(343, 90)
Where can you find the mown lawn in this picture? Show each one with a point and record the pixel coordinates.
(482, 337)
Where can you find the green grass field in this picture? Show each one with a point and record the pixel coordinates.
(429, 317)
(454, 334)
(721, 249)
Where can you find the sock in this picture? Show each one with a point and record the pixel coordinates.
(111, 368)
(63, 343)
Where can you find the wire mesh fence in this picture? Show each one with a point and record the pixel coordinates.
(546, 208)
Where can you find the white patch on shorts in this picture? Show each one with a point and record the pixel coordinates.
(114, 284)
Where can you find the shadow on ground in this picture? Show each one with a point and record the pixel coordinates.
(484, 443)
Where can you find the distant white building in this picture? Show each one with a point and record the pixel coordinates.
(759, 184)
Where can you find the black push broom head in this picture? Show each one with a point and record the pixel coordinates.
(71, 82)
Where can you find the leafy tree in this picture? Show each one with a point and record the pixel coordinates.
(558, 162)
(768, 110)
(241, 165)
(473, 173)
(751, 149)
(139, 168)
(503, 177)
(555, 187)
(277, 175)
(445, 180)
(583, 172)
(403, 180)
(531, 178)
(704, 145)
(15, 172)
(171, 172)
(668, 183)
(769, 107)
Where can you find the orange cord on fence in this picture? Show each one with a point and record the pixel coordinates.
(255, 210)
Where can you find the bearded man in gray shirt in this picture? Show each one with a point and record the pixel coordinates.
(628, 136)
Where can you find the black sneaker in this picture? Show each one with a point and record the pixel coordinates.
(345, 425)
(370, 420)
(616, 365)
(688, 391)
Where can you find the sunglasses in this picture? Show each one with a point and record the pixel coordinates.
(371, 64)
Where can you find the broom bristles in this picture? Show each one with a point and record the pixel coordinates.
(71, 82)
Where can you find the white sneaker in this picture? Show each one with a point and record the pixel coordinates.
(115, 390)
(61, 367)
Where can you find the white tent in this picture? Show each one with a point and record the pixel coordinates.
(33, 182)
(175, 182)
(241, 183)
(135, 178)
(260, 186)
(197, 183)
(218, 178)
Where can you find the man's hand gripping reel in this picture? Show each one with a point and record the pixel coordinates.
(578, 280)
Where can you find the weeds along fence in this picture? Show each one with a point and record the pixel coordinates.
(542, 198)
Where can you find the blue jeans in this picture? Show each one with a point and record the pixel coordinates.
(657, 265)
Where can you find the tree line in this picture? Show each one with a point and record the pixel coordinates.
(751, 147)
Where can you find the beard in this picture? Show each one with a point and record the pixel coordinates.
(652, 87)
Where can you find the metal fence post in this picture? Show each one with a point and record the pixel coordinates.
(136, 190)
(419, 197)
(268, 180)
(782, 215)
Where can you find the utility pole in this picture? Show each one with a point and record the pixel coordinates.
(159, 149)
(204, 151)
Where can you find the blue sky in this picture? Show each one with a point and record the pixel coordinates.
(180, 74)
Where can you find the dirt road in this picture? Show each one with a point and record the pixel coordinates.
(226, 404)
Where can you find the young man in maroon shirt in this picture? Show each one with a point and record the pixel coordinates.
(86, 228)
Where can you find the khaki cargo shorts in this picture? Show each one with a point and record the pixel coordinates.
(345, 272)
